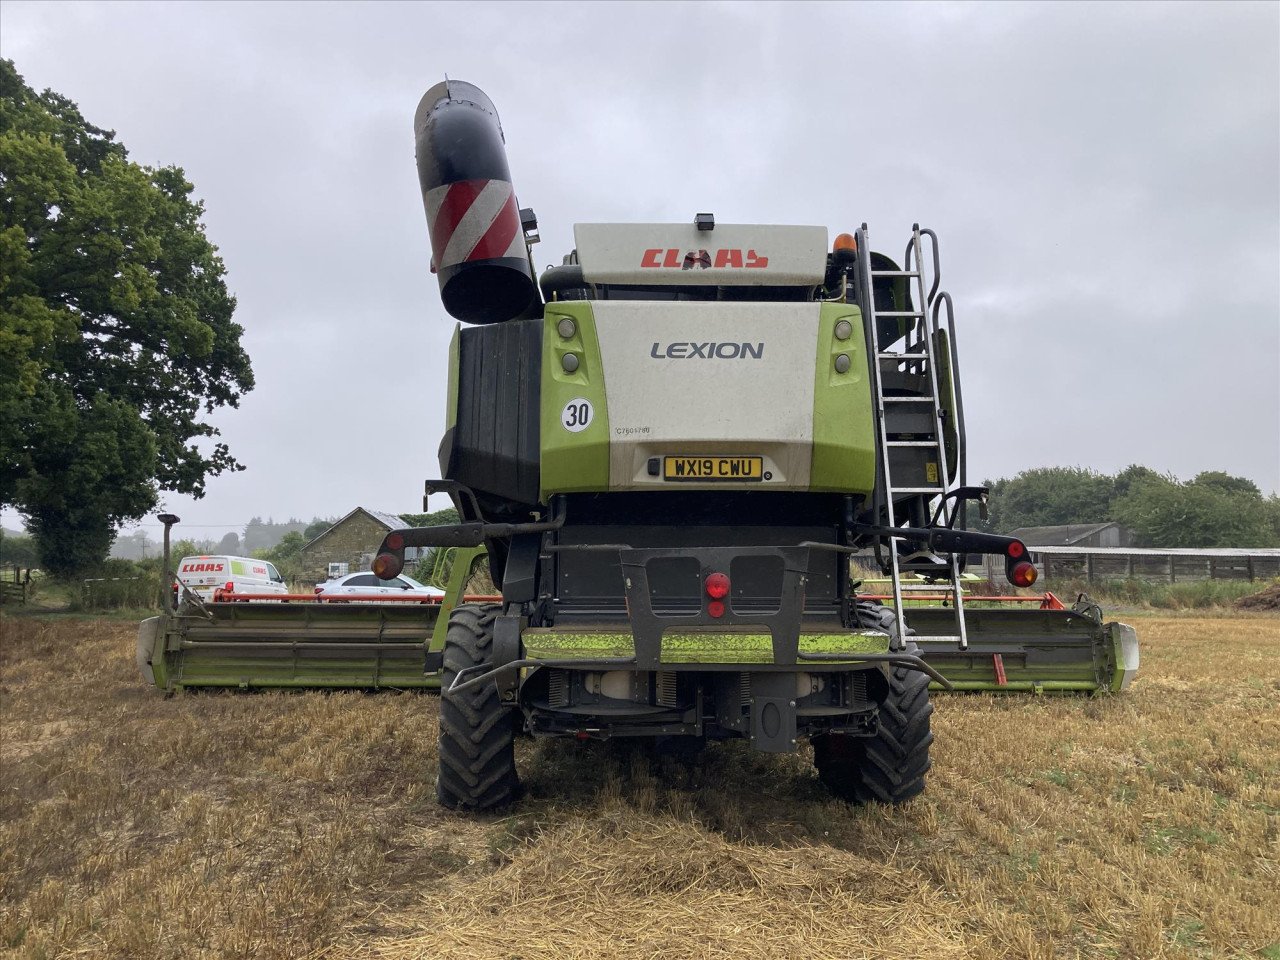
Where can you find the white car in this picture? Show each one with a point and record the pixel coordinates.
(367, 585)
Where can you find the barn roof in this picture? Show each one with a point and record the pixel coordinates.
(1064, 535)
(388, 520)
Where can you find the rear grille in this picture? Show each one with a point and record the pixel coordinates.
(857, 687)
(665, 684)
(558, 688)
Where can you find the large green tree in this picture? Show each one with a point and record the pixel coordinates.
(1215, 509)
(116, 331)
(1048, 496)
(1212, 510)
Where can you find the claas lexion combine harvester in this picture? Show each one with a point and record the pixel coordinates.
(670, 447)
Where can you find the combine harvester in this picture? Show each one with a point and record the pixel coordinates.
(670, 447)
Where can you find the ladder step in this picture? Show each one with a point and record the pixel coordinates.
(930, 587)
(907, 399)
(917, 489)
(912, 443)
(894, 355)
(939, 639)
(900, 313)
(894, 273)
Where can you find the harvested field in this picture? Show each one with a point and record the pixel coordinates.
(283, 825)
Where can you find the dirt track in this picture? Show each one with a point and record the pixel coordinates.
(294, 824)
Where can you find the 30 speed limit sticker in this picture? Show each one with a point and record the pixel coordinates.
(576, 415)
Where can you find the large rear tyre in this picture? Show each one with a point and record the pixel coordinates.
(890, 766)
(477, 733)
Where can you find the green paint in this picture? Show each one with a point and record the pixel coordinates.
(693, 647)
(573, 462)
(464, 561)
(844, 443)
(451, 398)
(942, 351)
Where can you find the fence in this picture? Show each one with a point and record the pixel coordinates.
(1133, 563)
(16, 590)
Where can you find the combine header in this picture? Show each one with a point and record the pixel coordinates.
(671, 446)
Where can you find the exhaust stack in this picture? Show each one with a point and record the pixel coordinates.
(478, 249)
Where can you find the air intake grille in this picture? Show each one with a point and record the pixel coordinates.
(558, 688)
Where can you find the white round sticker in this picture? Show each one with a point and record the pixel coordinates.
(576, 415)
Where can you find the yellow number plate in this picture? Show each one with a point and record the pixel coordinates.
(713, 469)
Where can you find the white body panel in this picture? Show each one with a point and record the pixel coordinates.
(686, 380)
(735, 254)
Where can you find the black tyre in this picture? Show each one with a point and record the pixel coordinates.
(889, 767)
(477, 732)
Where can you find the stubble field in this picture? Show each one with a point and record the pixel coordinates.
(304, 824)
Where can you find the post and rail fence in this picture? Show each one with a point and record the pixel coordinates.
(1167, 565)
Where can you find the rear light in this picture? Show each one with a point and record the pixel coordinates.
(229, 587)
(715, 609)
(393, 542)
(1015, 550)
(319, 589)
(386, 566)
(1023, 574)
(717, 587)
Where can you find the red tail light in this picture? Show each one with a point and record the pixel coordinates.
(715, 609)
(230, 587)
(1023, 574)
(717, 587)
(319, 589)
(387, 566)
(1016, 549)
(394, 542)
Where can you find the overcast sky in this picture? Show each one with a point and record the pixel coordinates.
(1105, 180)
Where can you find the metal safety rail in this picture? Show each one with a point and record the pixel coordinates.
(916, 352)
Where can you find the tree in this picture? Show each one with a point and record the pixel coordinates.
(116, 337)
(315, 528)
(437, 518)
(1212, 510)
(18, 551)
(1048, 496)
(286, 555)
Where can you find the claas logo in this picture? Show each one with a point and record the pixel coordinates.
(201, 568)
(670, 259)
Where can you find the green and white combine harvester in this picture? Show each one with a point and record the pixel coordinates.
(670, 447)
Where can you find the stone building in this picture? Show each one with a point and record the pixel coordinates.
(353, 540)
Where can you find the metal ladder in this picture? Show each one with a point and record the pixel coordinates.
(915, 353)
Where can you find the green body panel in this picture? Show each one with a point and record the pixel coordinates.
(844, 437)
(572, 462)
(464, 561)
(942, 350)
(451, 398)
(689, 647)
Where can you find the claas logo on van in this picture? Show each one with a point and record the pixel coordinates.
(201, 568)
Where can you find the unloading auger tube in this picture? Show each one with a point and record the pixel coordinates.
(671, 458)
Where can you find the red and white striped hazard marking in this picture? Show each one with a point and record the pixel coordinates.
(474, 220)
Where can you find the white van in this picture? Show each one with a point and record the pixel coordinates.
(203, 575)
